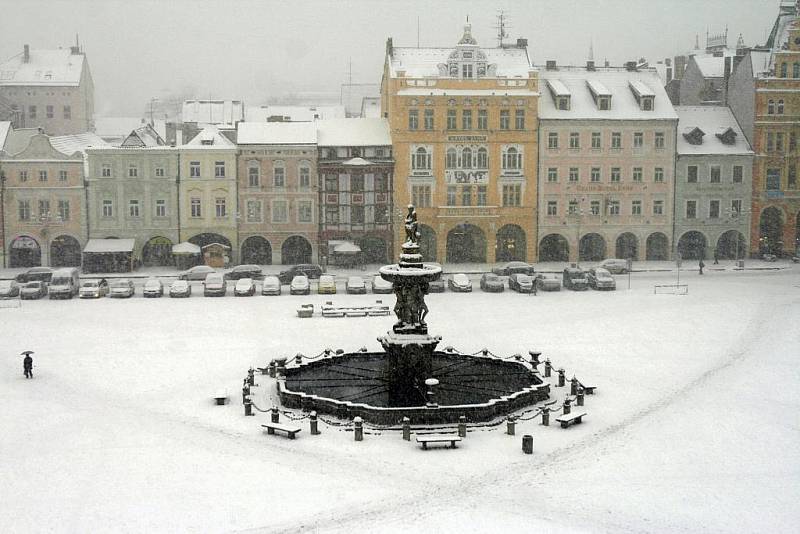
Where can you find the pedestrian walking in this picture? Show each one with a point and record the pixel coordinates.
(716, 257)
(27, 365)
(701, 266)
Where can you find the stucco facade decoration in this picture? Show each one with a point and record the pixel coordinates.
(133, 193)
(278, 193)
(463, 121)
(606, 164)
(713, 183)
(49, 89)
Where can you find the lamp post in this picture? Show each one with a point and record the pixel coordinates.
(578, 214)
(734, 213)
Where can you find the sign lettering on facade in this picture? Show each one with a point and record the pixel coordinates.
(467, 138)
(604, 188)
(455, 176)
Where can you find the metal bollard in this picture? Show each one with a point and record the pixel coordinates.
(527, 444)
(462, 426)
(573, 390)
(561, 378)
(359, 429)
(580, 396)
(248, 407)
(566, 407)
(545, 416)
(275, 416)
(406, 429)
(511, 424)
(313, 421)
(547, 368)
(245, 393)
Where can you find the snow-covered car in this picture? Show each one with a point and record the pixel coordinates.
(310, 270)
(245, 271)
(615, 265)
(300, 285)
(520, 282)
(271, 286)
(35, 274)
(9, 289)
(600, 278)
(33, 290)
(436, 286)
(214, 285)
(512, 267)
(547, 282)
(122, 288)
(355, 285)
(492, 283)
(381, 286)
(180, 288)
(575, 279)
(326, 285)
(93, 289)
(769, 257)
(245, 287)
(198, 272)
(153, 288)
(459, 283)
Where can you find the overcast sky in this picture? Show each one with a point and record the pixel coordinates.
(257, 50)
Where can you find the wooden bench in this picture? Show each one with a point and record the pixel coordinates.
(354, 311)
(289, 429)
(438, 438)
(589, 390)
(305, 310)
(573, 418)
(221, 396)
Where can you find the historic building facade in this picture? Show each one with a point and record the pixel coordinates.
(463, 122)
(277, 187)
(713, 184)
(606, 161)
(356, 180)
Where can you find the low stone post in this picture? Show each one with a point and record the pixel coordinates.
(275, 416)
(547, 368)
(527, 444)
(573, 389)
(561, 378)
(462, 426)
(273, 368)
(248, 407)
(251, 376)
(580, 396)
(511, 424)
(359, 428)
(406, 429)
(313, 422)
(566, 406)
(545, 415)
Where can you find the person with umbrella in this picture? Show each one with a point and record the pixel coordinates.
(27, 364)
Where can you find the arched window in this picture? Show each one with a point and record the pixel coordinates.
(421, 159)
(796, 70)
(512, 159)
(452, 158)
(466, 158)
(278, 174)
(771, 107)
(483, 158)
(780, 107)
(253, 174)
(784, 69)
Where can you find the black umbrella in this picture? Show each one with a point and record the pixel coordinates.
(26, 352)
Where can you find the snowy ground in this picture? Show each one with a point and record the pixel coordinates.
(693, 427)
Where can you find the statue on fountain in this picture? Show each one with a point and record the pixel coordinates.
(412, 235)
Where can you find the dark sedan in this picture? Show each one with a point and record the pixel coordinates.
(492, 283)
(520, 282)
(309, 270)
(245, 271)
(35, 274)
(514, 267)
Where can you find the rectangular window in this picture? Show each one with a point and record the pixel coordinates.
(713, 209)
(773, 179)
(552, 208)
(466, 119)
(779, 142)
(512, 195)
(638, 140)
(637, 174)
(161, 208)
(451, 195)
(413, 119)
(716, 174)
(253, 211)
(67, 112)
(133, 171)
(331, 215)
(63, 209)
(658, 175)
(105, 170)
(466, 70)
(572, 208)
(356, 214)
(691, 174)
(253, 177)
(770, 141)
(381, 214)
(49, 112)
(596, 140)
(357, 183)
(658, 207)
(574, 174)
(552, 140)
(481, 195)
(428, 119)
(279, 177)
(505, 119)
(736, 207)
(594, 207)
(220, 207)
(44, 208)
(42, 176)
(791, 178)
(219, 169)
(483, 119)
(659, 142)
(519, 119)
(195, 210)
(738, 171)
(280, 212)
(305, 177)
(421, 196)
(616, 140)
(32, 112)
(552, 174)
(62, 176)
(616, 174)
(108, 208)
(793, 138)
(636, 207)
(381, 182)
(23, 176)
(466, 195)
(305, 211)
(691, 209)
(133, 208)
(159, 172)
(574, 140)
(613, 207)
(24, 210)
(194, 169)
(595, 175)
(451, 119)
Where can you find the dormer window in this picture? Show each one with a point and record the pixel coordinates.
(694, 136)
(727, 136)
(560, 93)
(600, 94)
(644, 96)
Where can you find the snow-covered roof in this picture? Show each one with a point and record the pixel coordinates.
(144, 136)
(45, 67)
(710, 66)
(557, 87)
(596, 87)
(213, 111)
(69, 144)
(276, 133)
(210, 138)
(185, 248)
(424, 62)
(617, 81)
(711, 120)
(100, 246)
(500, 91)
(353, 132)
(371, 107)
(293, 113)
(5, 127)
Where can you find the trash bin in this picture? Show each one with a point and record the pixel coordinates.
(527, 444)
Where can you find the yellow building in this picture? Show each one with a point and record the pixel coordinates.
(463, 122)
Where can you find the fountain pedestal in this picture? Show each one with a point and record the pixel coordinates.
(409, 362)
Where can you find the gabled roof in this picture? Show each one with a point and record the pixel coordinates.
(69, 144)
(5, 127)
(276, 133)
(45, 67)
(210, 138)
(144, 136)
(353, 132)
(717, 119)
(41, 147)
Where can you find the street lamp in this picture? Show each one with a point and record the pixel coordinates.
(734, 213)
(578, 214)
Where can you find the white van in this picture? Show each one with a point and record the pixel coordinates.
(65, 283)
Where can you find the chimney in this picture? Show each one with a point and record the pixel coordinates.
(590, 65)
(726, 78)
(669, 74)
(26, 54)
(630, 66)
(550, 64)
(522, 43)
(389, 47)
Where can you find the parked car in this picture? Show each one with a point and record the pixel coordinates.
(180, 288)
(460, 283)
(121, 288)
(40, 274)
(153, 288)
(492, 283)
(437, 286)
(245, 271)
(600, 278)
(381, 286)
(615, 265)
(93, 289)
(300, 285)
(309, 270)
(214, 285)
(796, 256)
(512, 267)
(520, 282)
(198, 272)
(245, 287)
(547, 282)
(64, 284)
(769, 257)
(33, 290)
(575, 279)
(355, 285)
(9, 289)
(271, 286)
(326, 285)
